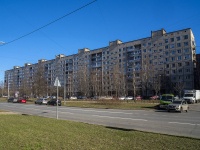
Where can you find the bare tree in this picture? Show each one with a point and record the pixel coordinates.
(2, 88)
(146, 75)
(40, 82)
(178, 86)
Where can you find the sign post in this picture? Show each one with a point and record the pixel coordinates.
(57, 84)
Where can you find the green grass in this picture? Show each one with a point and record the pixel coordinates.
(112, 104)
(26, 132)
(105, 104)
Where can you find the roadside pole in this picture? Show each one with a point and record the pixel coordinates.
(57, 104)
(57, 84)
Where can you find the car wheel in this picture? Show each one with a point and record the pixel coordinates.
(181, 110)
(187, 109)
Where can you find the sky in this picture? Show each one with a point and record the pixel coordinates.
(90, 27)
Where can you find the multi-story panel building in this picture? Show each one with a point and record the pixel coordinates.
(163, 62)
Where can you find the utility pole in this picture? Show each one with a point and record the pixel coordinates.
(64, 87)
(8, 86)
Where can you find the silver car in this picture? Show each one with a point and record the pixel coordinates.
(178, 105)
(41, 101)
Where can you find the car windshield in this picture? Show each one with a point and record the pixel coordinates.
(188, 95)
(167, 98)
(177, 102)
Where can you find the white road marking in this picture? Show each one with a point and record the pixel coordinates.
(184, 123)
(119, 118)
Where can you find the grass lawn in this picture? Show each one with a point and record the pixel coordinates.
(24, 132)
(105, 104)
(112, 104)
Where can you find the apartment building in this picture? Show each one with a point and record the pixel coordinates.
(163, 62)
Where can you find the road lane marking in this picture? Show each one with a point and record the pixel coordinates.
(102, 111)
(184, 123)
(119, 118)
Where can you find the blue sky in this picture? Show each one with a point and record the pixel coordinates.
(91, 27)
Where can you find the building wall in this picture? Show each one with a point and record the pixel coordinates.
(120, 67)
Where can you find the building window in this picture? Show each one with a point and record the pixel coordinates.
(173, 71)
(171, 45)
(144, 50)
(119, 50)
(179, 51)
(178, 44)
(186, 50)
(167, 65)
(166, 59)
(160, 50)
(173, 65)
(187, 70)
(187, 56)
(166, 53)
(185, 37)
(160, 44)
(187, 63)
(180, 70)
(173, 52)
(172, 59)
(185, 43)
(166, 46)
(178, 38)
(172, 39)
(187, 77)
(179, 64)
(179, 58)
(149, 44)
(166, 40)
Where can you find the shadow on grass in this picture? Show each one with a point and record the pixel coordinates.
(121, 129)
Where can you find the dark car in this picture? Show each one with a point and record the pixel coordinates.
(54, 102)
(12, 100)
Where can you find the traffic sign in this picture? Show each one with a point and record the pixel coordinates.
(57, 82)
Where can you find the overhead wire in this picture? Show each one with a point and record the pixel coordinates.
(6, 43)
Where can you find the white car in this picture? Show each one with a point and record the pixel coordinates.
(41, 101)
(178, 105)
(129, 98)
(72, 97)
(122, 98)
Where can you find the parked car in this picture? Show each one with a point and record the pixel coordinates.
(54, 102)
(21, 100)
(41, 101)
(72, 97)
(12, 100)
(81, 97)
(129, 98)
(138, 98)
(154, 97)
(121, 98)
(178, 105)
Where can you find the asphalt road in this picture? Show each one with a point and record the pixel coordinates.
(173, 123)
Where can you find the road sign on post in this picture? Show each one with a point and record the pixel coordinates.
(57, 84)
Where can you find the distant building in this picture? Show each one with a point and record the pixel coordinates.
(144, 66)
(197, 72)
